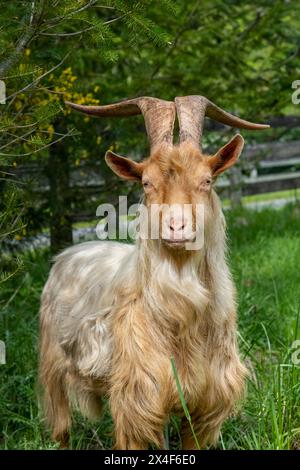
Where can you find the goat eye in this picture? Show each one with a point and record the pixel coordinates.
(147, 185)
(205, 184)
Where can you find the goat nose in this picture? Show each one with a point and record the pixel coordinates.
(177, 224)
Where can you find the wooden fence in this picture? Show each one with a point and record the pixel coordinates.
(265, 168)
(60, 194)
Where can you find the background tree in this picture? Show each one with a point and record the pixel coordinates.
(39, 38)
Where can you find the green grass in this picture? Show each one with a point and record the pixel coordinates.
(293, 194)
(265, 260)
(289, 193)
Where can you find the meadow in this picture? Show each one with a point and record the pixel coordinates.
(264, 254)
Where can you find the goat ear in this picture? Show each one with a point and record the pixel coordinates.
(124, 167)
(227, 155)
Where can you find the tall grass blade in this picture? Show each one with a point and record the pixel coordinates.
(183, 402)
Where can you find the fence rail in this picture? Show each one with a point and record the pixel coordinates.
(272, 166)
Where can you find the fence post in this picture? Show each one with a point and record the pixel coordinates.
(236, 179)
(2, 92)
(2, 353)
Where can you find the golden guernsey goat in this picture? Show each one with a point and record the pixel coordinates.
(113, 314)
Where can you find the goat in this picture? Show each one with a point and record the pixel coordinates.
(113, 314)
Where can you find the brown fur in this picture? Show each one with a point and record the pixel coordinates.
(152, 302)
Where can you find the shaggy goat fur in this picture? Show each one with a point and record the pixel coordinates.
(113, 314)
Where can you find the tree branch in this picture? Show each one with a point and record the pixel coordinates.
(34, 23)
(69, 133)
(40, 77)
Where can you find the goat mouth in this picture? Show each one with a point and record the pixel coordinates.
(175, 243)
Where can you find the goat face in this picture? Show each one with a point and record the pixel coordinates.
(177, 183)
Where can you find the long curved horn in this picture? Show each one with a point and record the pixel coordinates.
(159, 116)
(191, 111)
